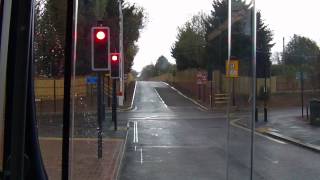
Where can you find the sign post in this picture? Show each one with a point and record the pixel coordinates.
(201, 81)
(232, 71)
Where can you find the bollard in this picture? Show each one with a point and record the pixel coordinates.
(256, 115)
(199, 92)
(265, 114)
(307, 107)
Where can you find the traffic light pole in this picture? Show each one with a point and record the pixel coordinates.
(114, 104)
(103, 98)
(100, 112)
(108, 92)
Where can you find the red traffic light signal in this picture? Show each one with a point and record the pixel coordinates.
(100, 49)
(114, 58)
(115, 65)
(100, 35)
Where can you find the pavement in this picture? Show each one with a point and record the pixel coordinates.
(84, 163)
(287, 124)
(171, 137)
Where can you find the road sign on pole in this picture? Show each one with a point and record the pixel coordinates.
(92, 80)
(232, 69)
(201, 78)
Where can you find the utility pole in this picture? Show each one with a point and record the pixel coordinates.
(265, 92)
(283, 49)
(302, 92)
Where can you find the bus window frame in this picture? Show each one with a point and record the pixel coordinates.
(5, 15)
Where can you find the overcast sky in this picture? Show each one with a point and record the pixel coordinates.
(284, 17)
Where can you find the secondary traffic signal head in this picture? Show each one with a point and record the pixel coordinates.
(115, 65)
(100, 48)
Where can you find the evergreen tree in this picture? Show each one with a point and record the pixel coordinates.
(301, 51)
(189, 49)
(241, 38)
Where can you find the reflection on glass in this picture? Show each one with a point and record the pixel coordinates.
(239, 75)
(255, 65)
(49, 82)
(287, 90)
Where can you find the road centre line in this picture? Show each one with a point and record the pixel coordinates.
(134, 131)
(137, 133)
(161, 99)
(175, 118)
(141, 156)
(134, 93)
(190, 99)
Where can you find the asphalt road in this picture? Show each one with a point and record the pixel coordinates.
(172, 138)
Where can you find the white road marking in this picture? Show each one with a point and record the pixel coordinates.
(161, 99)
(137, 133)
(134, 132)
(134, 93)
(141, 156)
(271, 160)
(78, 139)
(134, 109)
(199, 108)
(190, 99)
(175, 117)
(278, 141)
(135, 139)
(233, 123)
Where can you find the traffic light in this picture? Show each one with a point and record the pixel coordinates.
(115, 65)
(100, 48)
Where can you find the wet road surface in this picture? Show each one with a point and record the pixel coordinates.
(172, 138)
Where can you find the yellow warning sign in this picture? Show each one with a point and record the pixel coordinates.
(232, 68)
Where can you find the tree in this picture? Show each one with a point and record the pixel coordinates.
(147, 72)
(133, 22)
(264, 46)
(217, 46)
(162, 65)
(189, 50)
(134, 74)
(302, 54)
(50, 36)
(301, 51)
(87, 18)
(49, 39)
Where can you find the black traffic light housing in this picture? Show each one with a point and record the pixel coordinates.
(115, 59)
(100, 49)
